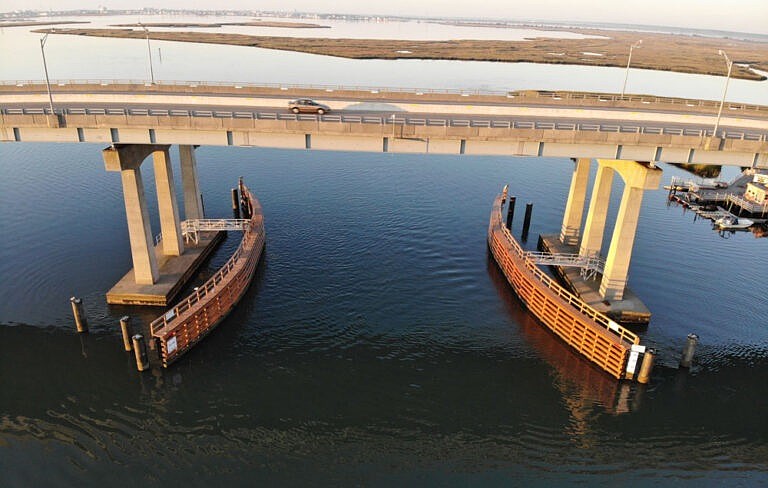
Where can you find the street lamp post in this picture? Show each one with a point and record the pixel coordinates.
(149, 52)
(45, 68)
(629, 60)
(728, 63)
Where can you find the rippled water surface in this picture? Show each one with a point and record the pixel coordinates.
(378, 345)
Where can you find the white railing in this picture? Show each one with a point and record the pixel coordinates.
(191, 227)
(590, 265)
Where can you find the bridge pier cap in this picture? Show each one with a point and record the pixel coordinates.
(119, 157)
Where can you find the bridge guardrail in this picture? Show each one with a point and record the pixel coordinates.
(385, 120)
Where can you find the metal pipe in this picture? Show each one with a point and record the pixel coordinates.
(149, 52)
(511, 212)
(45, 68)
(527, 219)
(125, 328)
(689, 350)
(81, 322)
(645, 368)
(729, 63)
(629, 60)
(140, 352)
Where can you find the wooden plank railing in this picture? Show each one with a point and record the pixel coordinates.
(185, 324)
(588, 331)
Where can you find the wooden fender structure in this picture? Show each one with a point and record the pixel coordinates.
(593, 335)
(183, 326)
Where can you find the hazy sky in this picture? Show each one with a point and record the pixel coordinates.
(733, 15)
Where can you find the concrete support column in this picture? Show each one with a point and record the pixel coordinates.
(139, 232)
(592, 239)
(574, 207)
(170, 226)
(193, 201)
(620, 253)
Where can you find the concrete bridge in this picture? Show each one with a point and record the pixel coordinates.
(137, 120)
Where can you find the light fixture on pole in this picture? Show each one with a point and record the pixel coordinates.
(45, 68)
(149, 52)
(728, 63)
(629, 60)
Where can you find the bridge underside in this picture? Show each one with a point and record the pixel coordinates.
(394, 138)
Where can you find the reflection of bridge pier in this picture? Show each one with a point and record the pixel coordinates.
(610, 294)
(160, 269)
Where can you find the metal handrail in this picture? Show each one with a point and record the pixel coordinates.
(594, 263)
(580, 306)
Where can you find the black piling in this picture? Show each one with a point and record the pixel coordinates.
(140, 351)
(235, 200)
(511, 212)
(527, 220)
(125, 328)
(689, 350)
(78, 310)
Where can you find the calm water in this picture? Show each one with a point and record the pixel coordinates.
(77, 57)
(378, 345)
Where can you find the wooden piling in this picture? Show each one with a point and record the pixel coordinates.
(125, 328)
(688, 351)
(647, 365)
(527, 219)
(235, 200)
(140, 352)
(78, 310)
(511, 212)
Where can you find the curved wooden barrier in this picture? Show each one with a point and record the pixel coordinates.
(183, 326)
(589, 332)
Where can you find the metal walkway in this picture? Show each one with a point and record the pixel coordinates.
(590, 265)
(190, 228)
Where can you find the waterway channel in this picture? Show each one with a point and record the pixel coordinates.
(378, 344)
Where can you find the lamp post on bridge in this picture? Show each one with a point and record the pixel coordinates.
(629, 60)
(45, 68)
(149, 53)
(728, 63)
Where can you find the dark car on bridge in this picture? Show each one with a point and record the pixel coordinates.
(308, 106)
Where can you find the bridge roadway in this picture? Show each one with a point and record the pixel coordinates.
(669, 130)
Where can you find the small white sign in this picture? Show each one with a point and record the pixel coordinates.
(171, 344)
(169, 315)
(632, 363)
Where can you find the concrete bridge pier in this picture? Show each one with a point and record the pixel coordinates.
(170, 225)
(638, 177)
(127, 159)
(159, 272)
(574, 207)
(193, 197)
(610, 295)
